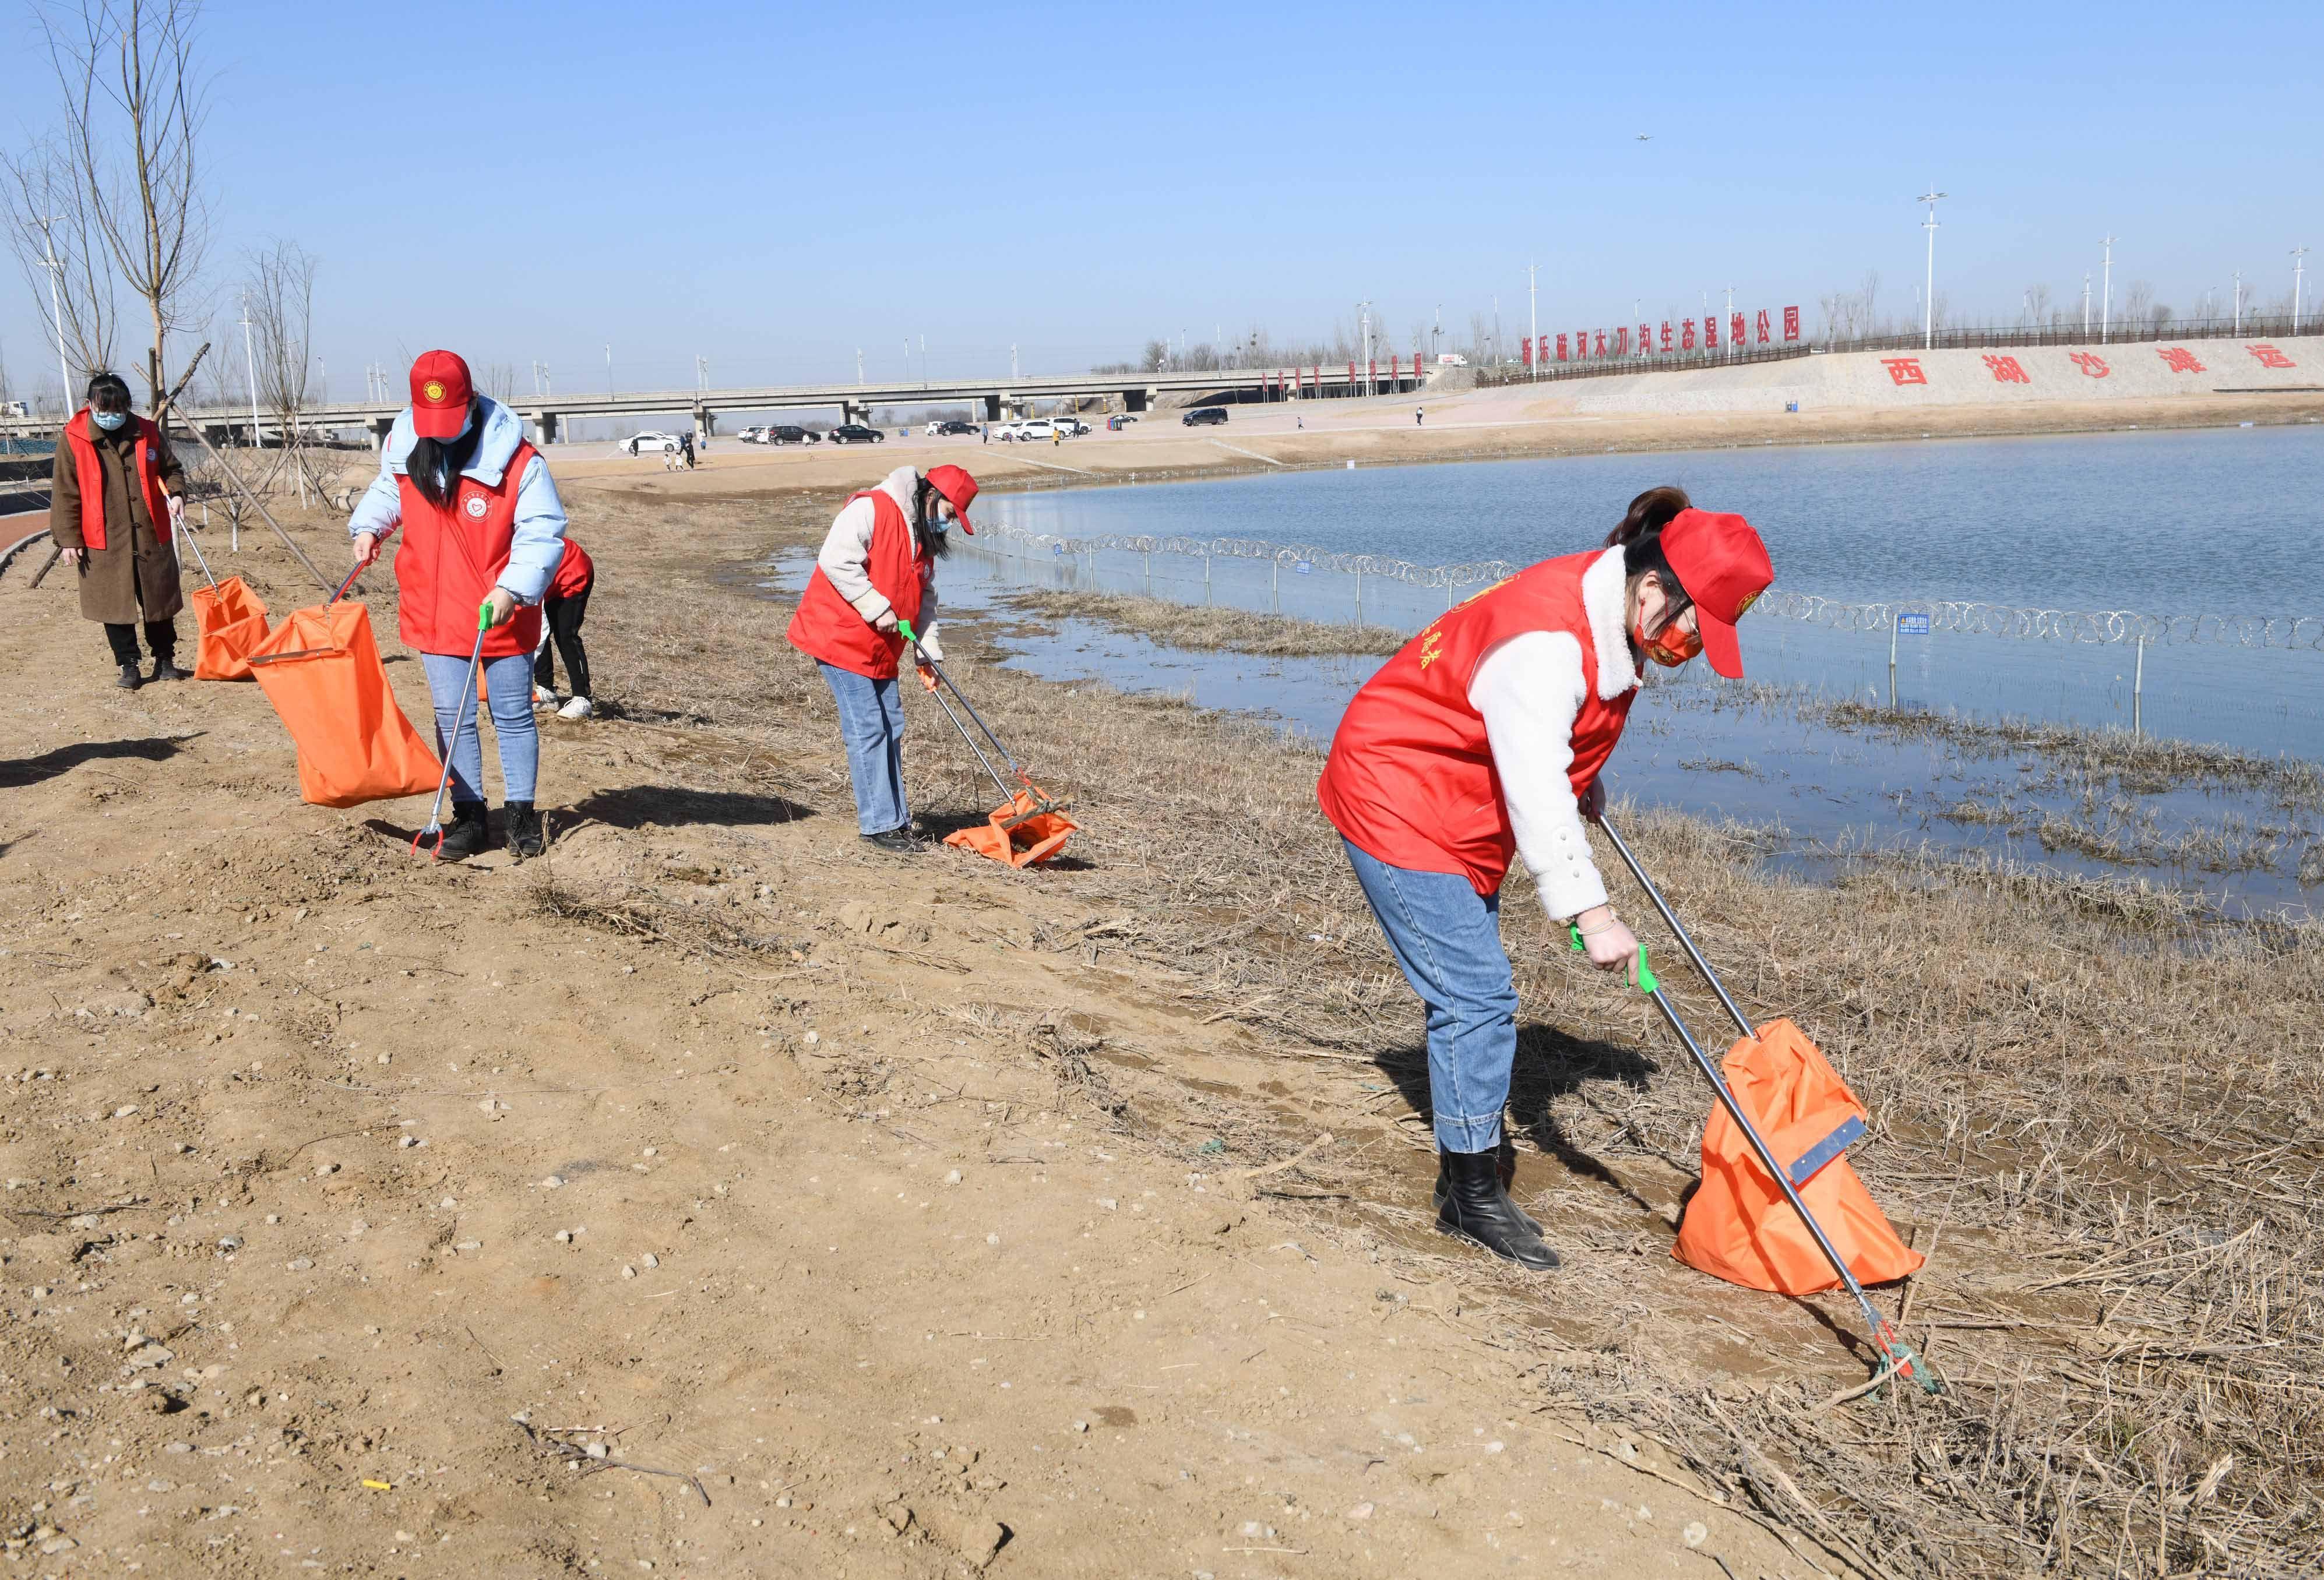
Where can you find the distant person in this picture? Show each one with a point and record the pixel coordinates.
(984, 433)
(562, 610)
(1484, 739)
(1419, 414)
(1299, 418)
(482, 525)
(117, 494)
(878, 568)
(685, 444)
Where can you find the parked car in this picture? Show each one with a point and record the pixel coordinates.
(749, 436)
(1071, 427)
(1205, 417)
(649, 443)
(953, 427)
(1118, 421)
(855, 433)
(787, 433)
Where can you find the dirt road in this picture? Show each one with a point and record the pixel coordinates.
(708, 1197)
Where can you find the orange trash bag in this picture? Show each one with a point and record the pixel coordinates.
(322, 672)
(231, 622)
(1737, 1224)
(1031, 829)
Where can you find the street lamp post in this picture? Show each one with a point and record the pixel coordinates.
(2086, 304)
(609, 370)
(2239, 301)
(2299, 267)
(1929, 300)
(55, 266)
(250, 365)
(2106, 299)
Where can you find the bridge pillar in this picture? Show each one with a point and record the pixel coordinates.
(1138, 400)
(544, 428)
(853, 411)
(706, 424)
(380, 427)
(991, 408)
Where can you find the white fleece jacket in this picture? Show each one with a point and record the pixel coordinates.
(847, 551)
(1529, 690)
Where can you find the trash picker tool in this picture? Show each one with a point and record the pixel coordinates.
(1897, 1355)
(1030, 825)
(459, 714)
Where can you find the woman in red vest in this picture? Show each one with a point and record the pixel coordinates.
(877, 569)
(1483, 740)
(115, 495)
(482, 526)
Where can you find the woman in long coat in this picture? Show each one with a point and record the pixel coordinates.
(114, 496)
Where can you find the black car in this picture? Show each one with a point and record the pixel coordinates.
(788, 434)
(957, 428)
(1205, 417)
(855, 433)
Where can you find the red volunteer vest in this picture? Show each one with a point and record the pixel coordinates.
(1410, 780)
(90, 473)
(450, 560)
(826, 626)
(574, 573)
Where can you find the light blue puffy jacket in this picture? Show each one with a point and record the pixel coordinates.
(539, 538)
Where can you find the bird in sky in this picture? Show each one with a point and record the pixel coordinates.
(1646, 137)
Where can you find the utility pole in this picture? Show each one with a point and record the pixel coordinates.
(2239, 301)
(859, 364)
(1497, 358)
(1928, 302)
(55, 266)
(2106, 299)
(250, 365)
(1012, 361)
(609, 370)
(323, 372)
(1533, 320)
(2298, 268)
(701, 374)
(2086, 304)
(1364, 321)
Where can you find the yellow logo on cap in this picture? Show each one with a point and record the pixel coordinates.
(1748, 599)
(433, 389)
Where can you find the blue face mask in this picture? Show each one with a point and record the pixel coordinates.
(110, 421)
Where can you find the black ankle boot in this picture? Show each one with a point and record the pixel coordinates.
(129, 679)
(466, 834)
(524, 833)
(1476, 1209)
(1504, 1166)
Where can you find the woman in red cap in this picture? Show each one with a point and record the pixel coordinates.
(482, 526)
(877, 571)
(1483, 740)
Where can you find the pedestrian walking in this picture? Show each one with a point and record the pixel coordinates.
(1419, 415)
(482, 524)
(877, 570)
(686, 443)
(562, 610)
(116, 494)
(1484, 738)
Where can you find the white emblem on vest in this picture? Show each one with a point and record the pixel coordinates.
(475, 506)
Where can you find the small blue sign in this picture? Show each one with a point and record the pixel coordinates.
(1912, 625)
(1303, 567)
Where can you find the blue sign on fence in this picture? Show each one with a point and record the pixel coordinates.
(1302, 568)
(1912, 625)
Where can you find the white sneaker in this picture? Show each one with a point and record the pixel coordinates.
(542, 697)
(578, 708)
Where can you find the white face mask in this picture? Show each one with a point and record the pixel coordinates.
(110, 421)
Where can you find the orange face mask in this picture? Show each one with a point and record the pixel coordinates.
(1672, 646)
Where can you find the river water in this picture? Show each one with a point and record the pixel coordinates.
(2217, 522)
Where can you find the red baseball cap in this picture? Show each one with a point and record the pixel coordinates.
(440, 393)
(1724, 567)
(958, 488)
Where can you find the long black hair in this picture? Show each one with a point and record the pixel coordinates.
(935, 545)
(434, 465)
(1639, 535)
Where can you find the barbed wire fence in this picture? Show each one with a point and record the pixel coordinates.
(1327, 585)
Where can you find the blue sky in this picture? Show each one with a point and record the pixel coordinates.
(775, 186)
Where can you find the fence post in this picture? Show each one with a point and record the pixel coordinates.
(2138, 692)
(1206, 580)
(1359, 594)
(1275, 585)
(1891, 660)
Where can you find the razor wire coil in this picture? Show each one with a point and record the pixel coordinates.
(1958, 616)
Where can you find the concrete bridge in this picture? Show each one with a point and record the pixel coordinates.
(547, 414)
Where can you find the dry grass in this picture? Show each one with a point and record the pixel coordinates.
(2095, 1103)
(1203, 629)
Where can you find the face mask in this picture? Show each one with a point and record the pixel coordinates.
(1672, 646)
(110, 421)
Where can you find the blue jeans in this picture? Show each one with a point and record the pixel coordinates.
(872, 725)
(509, 683)
(1447, 937)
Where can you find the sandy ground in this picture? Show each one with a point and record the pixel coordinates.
(337, 1182)
(1505, 423)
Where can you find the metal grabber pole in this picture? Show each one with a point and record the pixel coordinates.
(1896, 1353)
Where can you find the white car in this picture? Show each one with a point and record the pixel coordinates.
(1072, 427)
(650, 442)
(1034, 428)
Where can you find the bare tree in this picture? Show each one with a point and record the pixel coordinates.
(49, 216)
(280, 295)
(2038, 303)
(499, 382)
(2137, 301)
(135, 103)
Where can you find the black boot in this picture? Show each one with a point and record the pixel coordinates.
(129, 679)
(1505, 1164)
(524, 833)
(165, 667)
(1476, 1209)
(467, 834)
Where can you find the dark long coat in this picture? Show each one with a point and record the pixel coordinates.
(134, 576)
